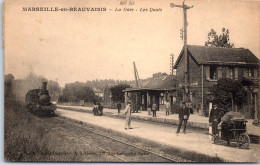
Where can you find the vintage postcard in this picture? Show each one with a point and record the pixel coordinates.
(131, 81)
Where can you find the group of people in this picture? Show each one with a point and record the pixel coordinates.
(184, 114)
(154, 108)
(97, 109)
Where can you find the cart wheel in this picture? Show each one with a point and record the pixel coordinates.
(244, 140)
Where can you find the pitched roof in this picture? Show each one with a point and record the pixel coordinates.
(162, 82)
(219, 55)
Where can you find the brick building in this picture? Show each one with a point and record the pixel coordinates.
(206, 65)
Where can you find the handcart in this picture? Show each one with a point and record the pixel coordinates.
(233, 129)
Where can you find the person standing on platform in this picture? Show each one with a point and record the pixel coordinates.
(184, 116)
(95, 109)
(167, 107)
(119, 107)
(149, 108)
(154, 109)
(215, 118)
(100, 110)
(128, 111)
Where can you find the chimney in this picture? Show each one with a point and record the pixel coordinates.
(44, 86)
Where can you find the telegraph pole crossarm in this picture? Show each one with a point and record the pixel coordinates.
(181, 6)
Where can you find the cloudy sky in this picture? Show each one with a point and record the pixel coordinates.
(70, 46)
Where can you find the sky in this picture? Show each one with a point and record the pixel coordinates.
(69, 46)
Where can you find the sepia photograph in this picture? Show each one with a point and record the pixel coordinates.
(119, 81)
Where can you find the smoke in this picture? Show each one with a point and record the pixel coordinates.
(22, 86)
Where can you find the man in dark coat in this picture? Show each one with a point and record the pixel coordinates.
(215, 118)
(118, 107)
(95, 109)
(184, 116)
(100, 109)
(154, 109)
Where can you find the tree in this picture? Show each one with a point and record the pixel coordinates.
(221, 40)
(227, 93)
(117, 92)
(159, 74)
(78, 91)
(54, 90)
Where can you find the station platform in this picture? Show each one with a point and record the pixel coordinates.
(191, 142)
(195, 120)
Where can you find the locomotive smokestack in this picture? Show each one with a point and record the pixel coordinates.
(44, 86)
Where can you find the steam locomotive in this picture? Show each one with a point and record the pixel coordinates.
(38, 101)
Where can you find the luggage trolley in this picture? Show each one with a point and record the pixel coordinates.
(233, 129)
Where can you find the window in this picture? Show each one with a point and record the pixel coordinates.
(250, 72)
(219, 72)
(236, 73)
(213, 72)
(245, 72)
(228, 72)
(255, 73)
(231, 70)
(207, 72)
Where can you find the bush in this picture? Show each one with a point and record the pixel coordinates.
(117, 92)
(227, 91)
(23, 137)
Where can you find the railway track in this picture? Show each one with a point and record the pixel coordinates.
(121, 150)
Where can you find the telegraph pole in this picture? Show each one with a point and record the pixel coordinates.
(171, 63)
(186, 78)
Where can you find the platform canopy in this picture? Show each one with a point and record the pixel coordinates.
(156, 84)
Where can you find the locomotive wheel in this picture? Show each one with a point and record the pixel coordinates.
(244, 140)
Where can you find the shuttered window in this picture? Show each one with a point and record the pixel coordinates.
(219, 72)
(255, 73)
(213, 72)
(251, 72)
(245, 72)
(231, 73)
(228, 72)
(236, 73)
(207, 72)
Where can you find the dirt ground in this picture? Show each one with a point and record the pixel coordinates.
(31, 138)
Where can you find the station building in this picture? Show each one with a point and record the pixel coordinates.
(206, 65)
